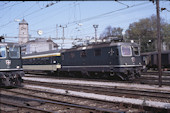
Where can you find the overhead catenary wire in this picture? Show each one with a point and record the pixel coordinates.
(10, 6)
(1, 26)
(101, 15)
(74, 24)
(104, 14)
(55, 13)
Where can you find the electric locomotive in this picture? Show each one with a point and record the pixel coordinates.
(121, 60)
(11, 71)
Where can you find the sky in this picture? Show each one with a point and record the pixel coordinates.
(77, 17)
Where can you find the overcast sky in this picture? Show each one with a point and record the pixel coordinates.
(78, 16)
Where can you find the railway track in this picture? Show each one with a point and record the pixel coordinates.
(122, 107)
(165, 73)
(146, 95)
(20, 104)
(150, 78)
(110, 91)
(154, 96)
(70, 107)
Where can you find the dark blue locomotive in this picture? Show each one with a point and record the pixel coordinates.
(11, 71)
(109, 59)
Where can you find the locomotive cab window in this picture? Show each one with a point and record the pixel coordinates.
(136, 51)
(2, 52)
(126, 50)
(14, 52)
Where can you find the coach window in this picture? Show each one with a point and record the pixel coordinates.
(2, 52)
(97, 52)
(83, 53)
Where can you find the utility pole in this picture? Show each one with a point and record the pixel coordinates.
(95, 27)
(159, 44)
(63, 35)
(56, 31)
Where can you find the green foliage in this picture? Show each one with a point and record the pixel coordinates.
(146, 31)
(112, 32)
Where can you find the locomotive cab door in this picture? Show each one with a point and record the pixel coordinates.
(113, 59)
(83, 56)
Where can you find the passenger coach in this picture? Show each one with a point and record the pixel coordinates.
(42, 61)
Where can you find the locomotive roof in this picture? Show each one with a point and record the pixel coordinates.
(99, 46)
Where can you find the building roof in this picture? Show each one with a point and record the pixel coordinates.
(39, 40)
(23, 22)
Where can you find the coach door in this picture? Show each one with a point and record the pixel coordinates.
(83, 56)
(53, 64)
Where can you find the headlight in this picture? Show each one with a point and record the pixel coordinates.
(58, 66)
(18, 67)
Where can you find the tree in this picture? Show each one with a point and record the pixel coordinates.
(112, 32)
(145, 31)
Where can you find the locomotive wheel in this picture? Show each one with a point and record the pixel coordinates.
(137, 75)
(17, 81)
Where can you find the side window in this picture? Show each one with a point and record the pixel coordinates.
(72, 55)
(117, 52)
(97, 52)
(136, 51)
(83, 53)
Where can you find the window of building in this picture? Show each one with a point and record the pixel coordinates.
(50, 46)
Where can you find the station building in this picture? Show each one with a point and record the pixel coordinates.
(33, 46)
